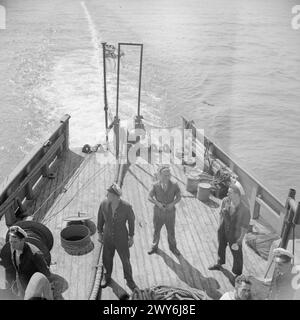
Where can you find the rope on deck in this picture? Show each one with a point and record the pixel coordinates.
(168, 293)
(98, 273)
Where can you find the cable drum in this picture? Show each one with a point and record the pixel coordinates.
(89, 224)
(76, 240)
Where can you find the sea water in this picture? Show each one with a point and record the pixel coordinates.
(233, 67)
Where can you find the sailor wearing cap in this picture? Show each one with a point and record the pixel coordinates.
(165, 194)
(281, 285)
(233, 225)
(21, 261)
(16, 231)
(113, 216)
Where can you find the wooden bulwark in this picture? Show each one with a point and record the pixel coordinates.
(79, 185)
(256, 193)
(19, 184)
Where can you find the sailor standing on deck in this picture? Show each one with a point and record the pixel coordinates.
(164, 194)
(113, 215)
(234, 223)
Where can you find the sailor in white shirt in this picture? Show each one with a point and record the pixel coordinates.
(242, 290)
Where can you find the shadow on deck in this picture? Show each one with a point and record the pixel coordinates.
(196, 235)
(188, 274)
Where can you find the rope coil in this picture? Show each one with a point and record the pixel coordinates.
(168, 293)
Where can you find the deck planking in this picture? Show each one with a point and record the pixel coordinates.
(84, 189)
(80, 185)
(196, 235)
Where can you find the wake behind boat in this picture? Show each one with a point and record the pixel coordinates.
(55, 193)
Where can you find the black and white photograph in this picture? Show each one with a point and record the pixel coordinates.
(149, 153)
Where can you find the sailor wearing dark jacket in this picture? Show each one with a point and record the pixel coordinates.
(22, 261)
(234, 223)
(113, 216)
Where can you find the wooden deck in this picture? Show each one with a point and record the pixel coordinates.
(196, 234)
(80, 185)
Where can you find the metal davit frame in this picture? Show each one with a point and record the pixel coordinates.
(138, 119)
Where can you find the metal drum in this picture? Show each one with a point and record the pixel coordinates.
(203, 191)
(193, 179)
(76, 240)
(82, 219)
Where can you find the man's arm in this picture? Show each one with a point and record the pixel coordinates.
(239, 241)
(152, 198)
(6, 262)
(244, 225)
(131, 219)
(177, 198)
(41, 264)
(223, 204)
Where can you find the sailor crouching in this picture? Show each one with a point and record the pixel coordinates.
(25, 267)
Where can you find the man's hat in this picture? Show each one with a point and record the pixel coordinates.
(18, 232)
(164, 169)
(282, 253)
(115, 189)
(240, 187)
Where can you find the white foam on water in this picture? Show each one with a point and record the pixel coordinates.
(77, 89)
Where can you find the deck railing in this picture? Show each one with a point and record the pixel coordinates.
(20, 186)
(262, 202)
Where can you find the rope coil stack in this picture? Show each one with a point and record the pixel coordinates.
(168, 293)
(75, 239)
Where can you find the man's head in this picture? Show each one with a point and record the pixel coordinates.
(283, 260)
(234, 193)
(114, 193)
(242, 288)
(164, 174)
(17, 237)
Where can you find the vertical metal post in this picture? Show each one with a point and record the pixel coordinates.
(117, 135)
(118, 82)
(104, 78)
(140, 80)
(105, 93)
(182, 145)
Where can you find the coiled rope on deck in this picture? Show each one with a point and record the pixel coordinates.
(163, 292)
